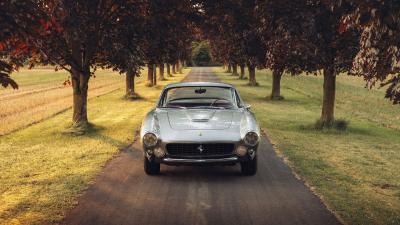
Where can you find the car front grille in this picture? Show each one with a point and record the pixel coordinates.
(200, 150)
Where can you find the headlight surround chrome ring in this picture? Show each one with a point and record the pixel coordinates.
(251, 138)
(150, 140)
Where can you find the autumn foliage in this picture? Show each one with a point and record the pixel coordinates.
(295, 37)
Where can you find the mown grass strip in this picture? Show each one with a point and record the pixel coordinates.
(43, 95)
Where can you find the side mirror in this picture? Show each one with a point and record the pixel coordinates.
(247, 106)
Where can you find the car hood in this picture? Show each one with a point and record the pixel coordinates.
(200, 119)
(177, 125)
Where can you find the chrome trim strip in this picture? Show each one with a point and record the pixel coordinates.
(171, 160)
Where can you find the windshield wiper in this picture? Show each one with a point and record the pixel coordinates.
(207, 107)
(174, 107)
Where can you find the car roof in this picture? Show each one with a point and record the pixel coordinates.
(197, 84)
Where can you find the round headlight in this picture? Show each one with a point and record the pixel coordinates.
(251, 138)
(150, 140)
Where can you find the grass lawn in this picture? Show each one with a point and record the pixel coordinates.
(43, 171)
(42, 95)
(355, 172)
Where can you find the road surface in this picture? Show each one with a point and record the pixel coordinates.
(124, 194)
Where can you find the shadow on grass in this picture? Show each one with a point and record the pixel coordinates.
(158, 87)
(138, 98)
(286, 101)
(348, 130)
(134, 97)
(45, 199)
(94, 131)
(111, 141)
(82, 129)
(297, 91)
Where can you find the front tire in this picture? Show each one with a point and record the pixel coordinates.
(151, 168)
(249, 168)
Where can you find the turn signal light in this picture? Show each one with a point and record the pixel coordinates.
(241, 150)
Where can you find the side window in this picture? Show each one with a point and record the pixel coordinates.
(239, 102)
(162, 99)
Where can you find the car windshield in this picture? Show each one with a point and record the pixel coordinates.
(199, 97)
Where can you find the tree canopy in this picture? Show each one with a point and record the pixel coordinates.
(77, 36)
(16, 23)
(287, 36)
(378, 58)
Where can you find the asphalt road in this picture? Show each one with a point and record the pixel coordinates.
(124, 194)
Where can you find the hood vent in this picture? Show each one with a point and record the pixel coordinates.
(200, 120)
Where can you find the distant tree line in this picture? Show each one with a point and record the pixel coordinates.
(201, 54)
(294, 37)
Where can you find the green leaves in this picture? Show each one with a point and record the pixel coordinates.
(201, 54)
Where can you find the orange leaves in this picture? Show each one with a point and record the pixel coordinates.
(45, 24)
(343, 26)
(114, 8)
(56, 25)
(14, 46)
(2, 46)
(48, 25)
(20, 48)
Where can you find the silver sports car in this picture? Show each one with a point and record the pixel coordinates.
(199, 123)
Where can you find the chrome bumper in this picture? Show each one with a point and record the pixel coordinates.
(200, 161)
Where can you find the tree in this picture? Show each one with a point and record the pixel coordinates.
(378, 59)
(128, 55)
(201, 53)
(157, 28)
(309, 41)
(169, 74)
(16, 21)
(286, 49)
(235, 69)
(76, 42)
(168, 33)
(242, 71)
(161, 67)
(232, 25)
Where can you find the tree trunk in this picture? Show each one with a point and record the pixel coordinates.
(328, 105)
(252, 76)
(173, 68)
(180, 66)
(169, 70)
(242, 73)
(162, 72)
(150, 72)
(177, 67)
(154, 74)
(80, 81)
(130, 84)
(229, 68)
(276, 85)
(234, 70)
